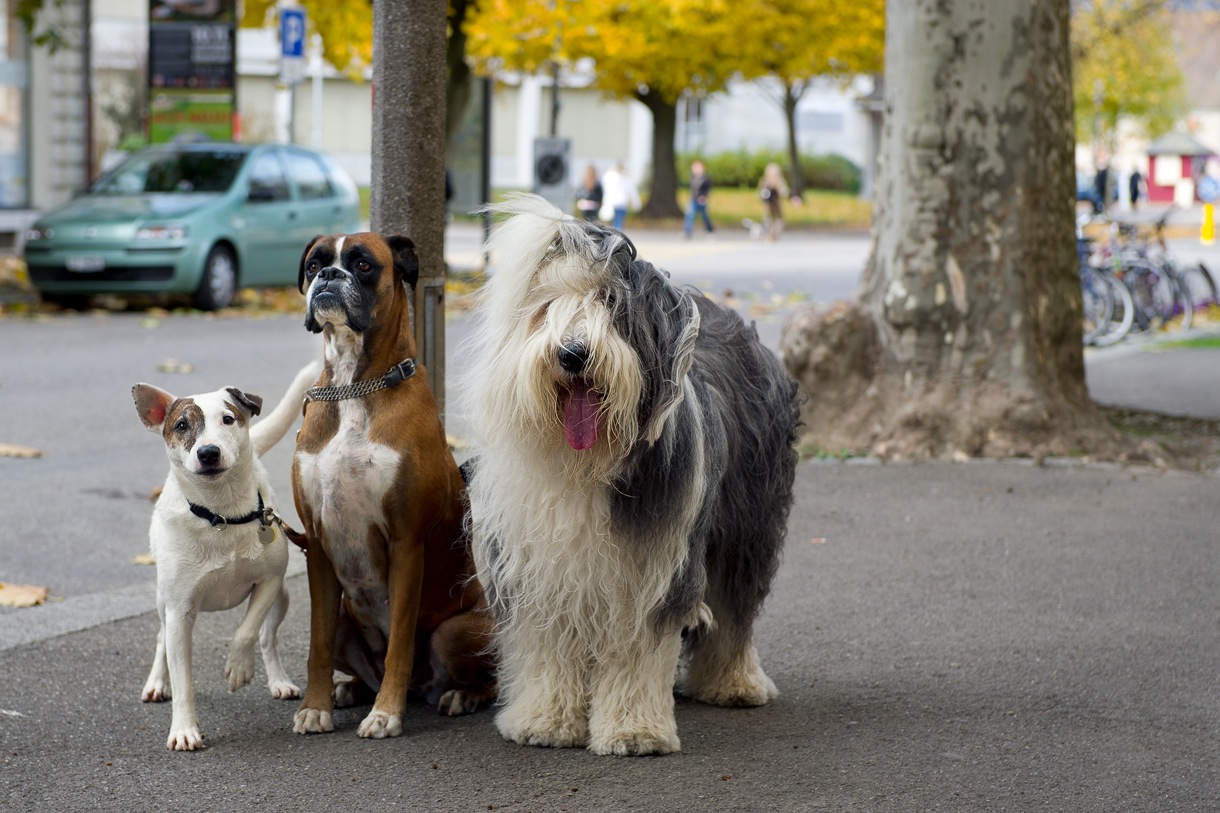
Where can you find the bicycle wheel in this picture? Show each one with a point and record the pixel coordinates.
(1098, 303)
(1153, 293)
(1200, 286)
(1122, 311)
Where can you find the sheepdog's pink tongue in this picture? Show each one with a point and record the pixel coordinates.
(580, 416)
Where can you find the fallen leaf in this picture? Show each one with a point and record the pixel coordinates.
(22, 595)
(9, 450)
(818, 540)
(143, 559)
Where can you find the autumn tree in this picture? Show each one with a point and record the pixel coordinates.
(965, 336)
(796, 42)
(1125, 65)
(648, 50)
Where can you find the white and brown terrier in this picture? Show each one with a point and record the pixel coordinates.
(216, 538)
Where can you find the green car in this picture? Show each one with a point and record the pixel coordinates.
(202, 219)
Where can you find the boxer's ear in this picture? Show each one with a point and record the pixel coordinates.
(152, 405)
(406, 261)
(301, 268)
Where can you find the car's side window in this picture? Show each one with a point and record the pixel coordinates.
(310, 176)
(267, 181)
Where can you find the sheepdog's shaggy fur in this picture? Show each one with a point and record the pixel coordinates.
(631, 492)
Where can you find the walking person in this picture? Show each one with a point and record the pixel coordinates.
(589, 194)
(1135, 188)
(618, 193)
(773, 189)
(700, 190)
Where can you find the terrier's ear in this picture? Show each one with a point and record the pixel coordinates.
(250, 404)
(152, 405)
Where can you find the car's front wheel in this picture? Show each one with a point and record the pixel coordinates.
(219, 284)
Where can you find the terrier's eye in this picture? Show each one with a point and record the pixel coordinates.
(229, 420)
(181, 425)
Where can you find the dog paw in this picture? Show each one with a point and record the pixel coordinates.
(186, 738)
(456, 702)
(156, 692)
(379, 725)
(746, 691)
(239, 667)
(312, 721)
(634, 744)
(284, 690)
(544, 733)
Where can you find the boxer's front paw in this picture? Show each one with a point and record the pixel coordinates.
(312, 721)
(379, 725)
(239, 667)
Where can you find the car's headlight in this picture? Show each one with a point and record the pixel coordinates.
(39, 233)
(161, 233)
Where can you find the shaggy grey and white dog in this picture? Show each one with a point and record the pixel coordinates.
(632, 487)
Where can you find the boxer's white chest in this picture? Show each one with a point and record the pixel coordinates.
(346, 483)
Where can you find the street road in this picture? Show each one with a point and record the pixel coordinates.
(972, 637)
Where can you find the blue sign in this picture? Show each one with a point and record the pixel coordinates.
(1208, 189)
(292, 32)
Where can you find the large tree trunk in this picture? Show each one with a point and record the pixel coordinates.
(792, 96)
(663, 194)
(965, 337)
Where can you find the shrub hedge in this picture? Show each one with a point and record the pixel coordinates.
(740, 168)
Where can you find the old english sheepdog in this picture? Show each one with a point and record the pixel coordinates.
(631, 491)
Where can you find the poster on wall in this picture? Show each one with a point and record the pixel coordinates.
(191, 69)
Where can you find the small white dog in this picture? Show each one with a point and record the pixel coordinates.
(215, 538)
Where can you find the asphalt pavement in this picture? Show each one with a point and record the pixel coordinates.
(984, 636)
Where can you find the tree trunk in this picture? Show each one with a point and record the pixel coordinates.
(965, 336)
(792, 96)
(408, 191)
(457, 79)
(663, 194)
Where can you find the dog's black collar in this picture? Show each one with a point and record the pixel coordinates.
(220, 522)
(397, 374)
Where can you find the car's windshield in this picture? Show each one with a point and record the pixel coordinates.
(172, 172)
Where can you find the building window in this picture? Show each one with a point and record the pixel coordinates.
(14, 79)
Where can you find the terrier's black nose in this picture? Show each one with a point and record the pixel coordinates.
(573, 357)
(208, 455)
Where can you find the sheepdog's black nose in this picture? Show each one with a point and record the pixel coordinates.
(208, 455)
(573, 357)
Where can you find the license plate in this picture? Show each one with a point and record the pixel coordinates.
(86, 263)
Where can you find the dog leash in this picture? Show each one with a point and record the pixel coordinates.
(397, 374)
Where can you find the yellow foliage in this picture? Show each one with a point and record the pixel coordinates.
(1125, 65)
(667, 46)
(346, 29)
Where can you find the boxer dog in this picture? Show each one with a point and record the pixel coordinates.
(395, 604)
(216, 538)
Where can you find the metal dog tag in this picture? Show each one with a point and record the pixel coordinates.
(266, 534)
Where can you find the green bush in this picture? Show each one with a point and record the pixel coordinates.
(742, 169)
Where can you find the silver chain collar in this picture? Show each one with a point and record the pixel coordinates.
(397, 374)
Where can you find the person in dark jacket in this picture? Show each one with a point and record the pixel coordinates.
(700, 189)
